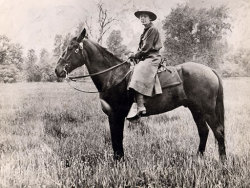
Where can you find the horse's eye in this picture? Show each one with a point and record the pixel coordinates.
(77, 50)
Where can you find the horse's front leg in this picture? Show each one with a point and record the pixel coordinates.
(116, 123)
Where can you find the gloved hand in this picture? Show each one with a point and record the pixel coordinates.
(131, 56)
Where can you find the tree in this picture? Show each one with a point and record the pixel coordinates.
(46, 66)
(196, 35)
(11, 60)
(237, 63)
(31, 69)
(57, 51)
(114, 43)
(4, 47)
(104, 21)
(66, 41)
(44, 56)
(16, 55)
(60, 43)
(97, 27)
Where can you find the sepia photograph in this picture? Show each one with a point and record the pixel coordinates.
(125, 93)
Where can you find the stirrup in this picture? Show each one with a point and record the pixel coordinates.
(141, 111)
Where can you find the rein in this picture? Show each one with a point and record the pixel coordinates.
(68, 82)
(74, 78)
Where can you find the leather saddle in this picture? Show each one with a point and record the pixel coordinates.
(168, 76)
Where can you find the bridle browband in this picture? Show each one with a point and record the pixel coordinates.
(74, 78)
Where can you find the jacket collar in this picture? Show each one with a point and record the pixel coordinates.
(148, 26)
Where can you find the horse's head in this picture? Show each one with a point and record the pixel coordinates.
(72, 57)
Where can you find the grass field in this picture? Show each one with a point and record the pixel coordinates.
(54, 136)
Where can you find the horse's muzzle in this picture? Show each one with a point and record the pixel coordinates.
(62, 73)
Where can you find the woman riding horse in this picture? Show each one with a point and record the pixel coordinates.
(201, 91)
(144, 80)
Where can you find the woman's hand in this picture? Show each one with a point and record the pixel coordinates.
(131, 55)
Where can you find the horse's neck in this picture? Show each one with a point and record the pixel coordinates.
(98, 62)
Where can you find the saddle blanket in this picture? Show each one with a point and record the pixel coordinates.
(169, 77)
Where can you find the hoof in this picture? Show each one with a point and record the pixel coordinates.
(223, 159)
(119, 158)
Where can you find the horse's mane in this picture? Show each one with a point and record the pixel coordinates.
(109, 56)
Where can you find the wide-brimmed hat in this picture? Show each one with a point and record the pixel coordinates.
(151, 15)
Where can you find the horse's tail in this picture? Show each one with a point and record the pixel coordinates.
(219, 108)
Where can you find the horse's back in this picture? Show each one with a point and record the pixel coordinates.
(200, 71)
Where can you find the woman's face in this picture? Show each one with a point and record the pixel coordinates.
(145, 20)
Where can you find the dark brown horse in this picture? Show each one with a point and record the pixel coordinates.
(201, 91)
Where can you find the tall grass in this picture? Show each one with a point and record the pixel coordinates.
(53, 136)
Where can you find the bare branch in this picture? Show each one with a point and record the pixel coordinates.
(110, 20)
(104, 21)
(106, 30)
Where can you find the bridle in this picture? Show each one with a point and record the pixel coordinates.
(75, 78)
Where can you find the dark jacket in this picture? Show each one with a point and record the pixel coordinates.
(150, 42)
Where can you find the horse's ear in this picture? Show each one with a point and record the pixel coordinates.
(82, 35)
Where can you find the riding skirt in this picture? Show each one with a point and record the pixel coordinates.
(144, 78)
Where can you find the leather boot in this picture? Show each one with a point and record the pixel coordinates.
(141, 110)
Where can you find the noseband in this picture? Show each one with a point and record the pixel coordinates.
(66, 72)
(66, 65)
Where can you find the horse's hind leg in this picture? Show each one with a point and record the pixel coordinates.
(202, 130)
(219, 133)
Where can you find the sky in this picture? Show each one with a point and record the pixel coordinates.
(34, 24)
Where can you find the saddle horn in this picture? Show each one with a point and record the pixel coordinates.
(81, 36)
